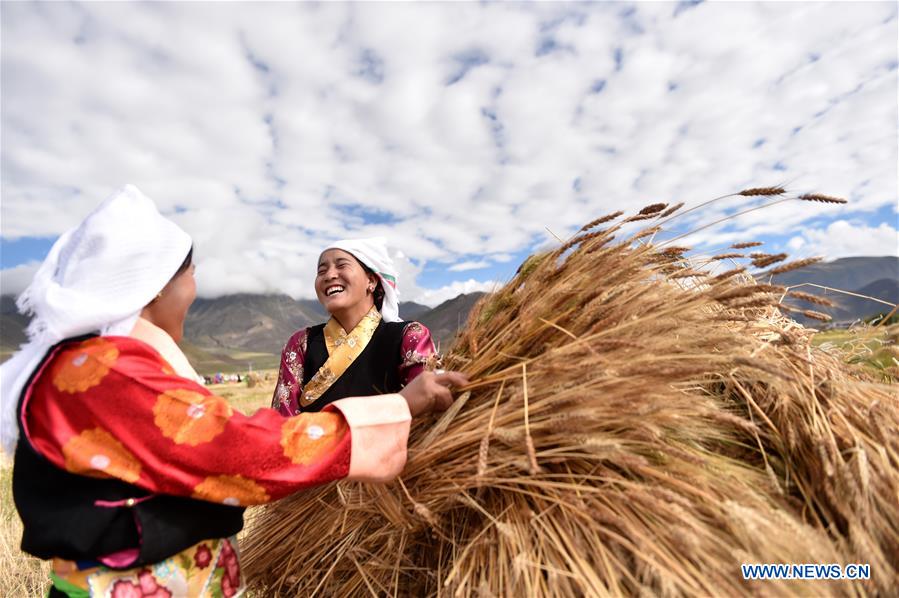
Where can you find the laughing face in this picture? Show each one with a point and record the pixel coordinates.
(342, 284)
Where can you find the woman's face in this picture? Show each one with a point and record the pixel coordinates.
(170, 309)
(341, 282)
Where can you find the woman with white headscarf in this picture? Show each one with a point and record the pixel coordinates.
(364, 348)
(131, 476)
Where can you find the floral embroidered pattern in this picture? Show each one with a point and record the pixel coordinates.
(189, 417)
(412, 357)
(146, 587)
(188, 573)
(234, 490)
(418, 352)
(119, 429)
(290, 374)
(97, 454)
(323, 380)
(295, 365)
(228, 570)
(203, 556)
(282, 394)
(306, 439)
(413, 331)
(84, 366)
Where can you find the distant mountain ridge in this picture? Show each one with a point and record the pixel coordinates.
(250, 322)
(409, 310)
(257, 324)
(244, 324)
(12, 323)
(847, 274)
(876, 277)
(449, 317)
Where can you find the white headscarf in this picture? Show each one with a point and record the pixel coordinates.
(373, 253)
(97, 278)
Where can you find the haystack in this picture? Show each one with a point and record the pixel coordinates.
(637, 424)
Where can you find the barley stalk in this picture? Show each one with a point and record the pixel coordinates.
(765, 260)
(796, 265)
(822, 198)
(627, 433)
(600, 220)
(810, 298)
(654, 208)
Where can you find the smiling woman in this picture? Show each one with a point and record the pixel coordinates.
(365, 348)
(128, 474)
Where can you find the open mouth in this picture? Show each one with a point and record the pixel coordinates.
(333, 290)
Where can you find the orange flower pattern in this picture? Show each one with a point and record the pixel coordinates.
(167, 434)
(306, 439)
(84, 365)
(190, 417)
(97, 454)
(234, 490)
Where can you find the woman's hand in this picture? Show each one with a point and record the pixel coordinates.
(430, 391)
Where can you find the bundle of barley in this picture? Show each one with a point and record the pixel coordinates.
(635, 424)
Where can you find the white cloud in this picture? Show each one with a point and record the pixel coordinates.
(844, 239)
(434, 297)
(471, 265)
(14, 280)
(267, 133)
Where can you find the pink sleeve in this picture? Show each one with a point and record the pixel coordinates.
(290, 375)
(379, 432)
(417, 350)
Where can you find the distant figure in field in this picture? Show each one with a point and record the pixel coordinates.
(364, 349)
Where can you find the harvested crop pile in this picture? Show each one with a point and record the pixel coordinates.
(637, 424)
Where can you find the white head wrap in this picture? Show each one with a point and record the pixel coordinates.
(373, 253)
(97, 278)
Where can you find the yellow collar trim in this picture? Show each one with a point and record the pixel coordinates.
(343, 349)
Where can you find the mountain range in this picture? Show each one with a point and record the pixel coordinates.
(229, 331)
(234, 329)
(865, 277)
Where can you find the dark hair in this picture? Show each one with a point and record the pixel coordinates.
(379, 289)
(181, 270)
(186, 263)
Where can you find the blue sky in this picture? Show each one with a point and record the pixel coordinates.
(469, 134)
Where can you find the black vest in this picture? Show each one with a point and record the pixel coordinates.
(61, 519)
(374, 372)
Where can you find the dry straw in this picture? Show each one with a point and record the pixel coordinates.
(626, 434)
